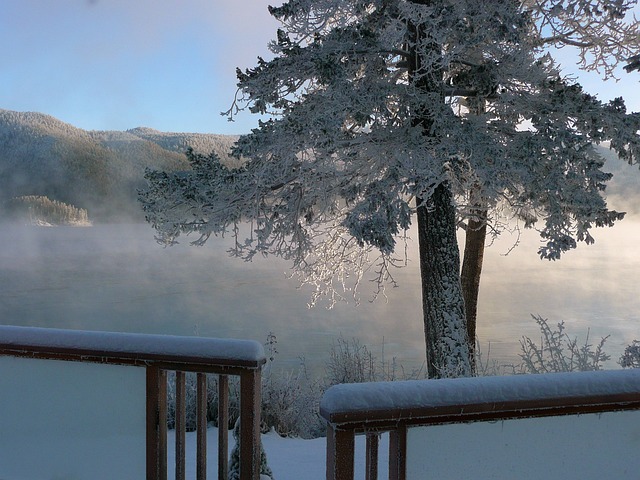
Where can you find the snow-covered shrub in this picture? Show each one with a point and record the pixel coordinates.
(350, 362)
(631, 356)
(190, 400)
(234, 461)
(290, 404)
(290, 399)
(559, 352)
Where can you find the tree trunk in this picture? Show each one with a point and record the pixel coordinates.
(475, 236)
(445, 330)
(445, 327)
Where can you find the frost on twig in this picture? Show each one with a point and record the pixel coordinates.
(559, 352)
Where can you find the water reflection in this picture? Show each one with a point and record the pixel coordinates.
(115, 277)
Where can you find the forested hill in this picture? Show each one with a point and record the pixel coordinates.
(100, 171)
(95, 170)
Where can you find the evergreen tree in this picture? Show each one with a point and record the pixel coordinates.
(234, 461)
(382, 110)
(38, 209)
(604, 35)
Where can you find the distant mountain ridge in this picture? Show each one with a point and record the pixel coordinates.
(99, 171)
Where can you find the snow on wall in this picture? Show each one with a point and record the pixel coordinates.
(380, 396)
(134, 344)
(95, 413)
(588, 447)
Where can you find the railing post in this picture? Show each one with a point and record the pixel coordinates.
(180, 424)
(156, 424)
(201, 419)
(372, 457)
(340, 453)
(250, 405)
(398, 453)
(223, 427)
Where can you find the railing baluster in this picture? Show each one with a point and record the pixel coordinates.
(152, 423)
(162, 417)
(223, 427)
(156, 423)
(372, 457)
(201, 435)
(340, 453)
(180, 418)
(398, 453)
(250, 404)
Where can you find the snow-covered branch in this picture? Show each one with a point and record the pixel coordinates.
(342, 159)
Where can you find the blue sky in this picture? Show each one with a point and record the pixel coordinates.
(119, 64)
(164, 64)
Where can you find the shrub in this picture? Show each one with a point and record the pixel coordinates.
(558, 352)
(190, 400)
(631, 356)
(352, 362)
(290, 404)
(234, 461)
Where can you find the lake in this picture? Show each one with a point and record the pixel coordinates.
(115, 277)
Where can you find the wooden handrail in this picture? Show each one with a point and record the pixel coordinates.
(159, 353)
(166, 351)
(394, 406)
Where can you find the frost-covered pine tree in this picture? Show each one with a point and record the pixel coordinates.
(385, 112)
(234, 461)
(603, 35)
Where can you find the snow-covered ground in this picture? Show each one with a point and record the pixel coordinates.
(289, 458)
(298, 459)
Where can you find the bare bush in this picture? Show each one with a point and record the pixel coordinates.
(559, 352)
(290, 404)
(488, 367)
(352, 362)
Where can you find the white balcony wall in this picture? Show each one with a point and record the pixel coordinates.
(71, 420)
(585, 447)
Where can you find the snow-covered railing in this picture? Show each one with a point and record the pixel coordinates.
(561, 425)
(156, 354)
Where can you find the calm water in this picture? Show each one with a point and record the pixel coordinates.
(115, 277)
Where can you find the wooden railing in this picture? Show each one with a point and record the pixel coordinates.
(440, 406)
(159, 354)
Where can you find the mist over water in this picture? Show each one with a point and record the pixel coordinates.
(117, 278)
